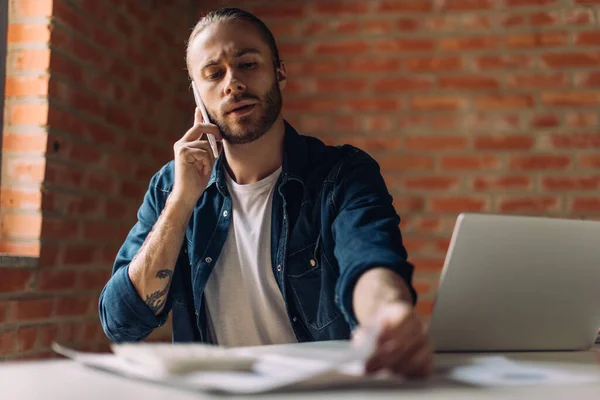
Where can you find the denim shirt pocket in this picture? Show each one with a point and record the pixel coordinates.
(312, 281)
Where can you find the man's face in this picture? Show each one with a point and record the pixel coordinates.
(233, 68)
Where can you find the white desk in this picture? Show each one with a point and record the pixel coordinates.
(66, 380)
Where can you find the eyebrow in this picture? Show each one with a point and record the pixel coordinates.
(237, 54)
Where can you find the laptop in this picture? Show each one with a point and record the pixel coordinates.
(517, 283)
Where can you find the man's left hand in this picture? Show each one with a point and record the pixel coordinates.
(403, 346)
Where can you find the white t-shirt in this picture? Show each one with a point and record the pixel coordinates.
(245, 306)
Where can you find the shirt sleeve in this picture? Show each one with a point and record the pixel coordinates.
(124, 316)
(366, 230)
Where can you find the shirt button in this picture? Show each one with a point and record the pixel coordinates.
(279, 268)
(313, 262)
(294, 319)
(208, 260)
(225, 213)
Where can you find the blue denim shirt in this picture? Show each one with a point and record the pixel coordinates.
(332, 220)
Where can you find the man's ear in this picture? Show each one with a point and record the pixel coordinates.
(281, 75)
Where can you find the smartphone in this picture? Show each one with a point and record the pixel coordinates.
(211, 138)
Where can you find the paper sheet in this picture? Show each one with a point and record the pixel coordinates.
(337, 367)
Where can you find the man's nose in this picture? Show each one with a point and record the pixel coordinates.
(234, 86)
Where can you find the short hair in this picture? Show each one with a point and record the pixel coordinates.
(235, 14)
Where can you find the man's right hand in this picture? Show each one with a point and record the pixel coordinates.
(194, 161)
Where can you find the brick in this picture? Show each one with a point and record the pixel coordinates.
(368, 66)
(402, 84)
(435, 142)
(100, 231)
(28, 169)
(8, 340)
(470, 162)
(83, 206)
(372, 104)
(587, 79)
(501, 183)
(429, 224)
(589, 161)
(409, 24)
(445, 23)
(529, 3)
(346, 123)
(539, 162)
(529, 204)
(457, 204)
(342, 85)
(476, 22)
(434, 64)
(307, 105)
(406, 204)
(22, 225)
(56, 280)
(100, 182)
(403, 163)
(78, 255)
(372, 143)
(585, 204)
(504, 102)
(26, 338)
(424, 308)
(432, 103)
(544, 18)
(563, 183)
(575, 141)
(537, 80)
(532, 40)
(507, 61)
(347, 47)
(571, 59)
(512, 20)
(581, 16)
(27, 247)
(469, 43)
(27, 33)
(545, 121)
(468, 82)
(591, 38)
(32, 8)
(380, 123)
(341, 8)
(73, 306)
(504, 142)
(581, 119)
(31, 309)
(28, 113)
(280, 11)
(29, 60)
(57, 228)
(405, 45)
(90, 280)
(47, 334)
(571, 99)
(466, 5)
(15, 280)
(415, 244)
(24, 142)
(21, 199)
(63, 175)
(405, 6)
(431, 183)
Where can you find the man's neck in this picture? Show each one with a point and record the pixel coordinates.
(248, 163)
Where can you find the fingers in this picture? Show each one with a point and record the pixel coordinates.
(202, 159)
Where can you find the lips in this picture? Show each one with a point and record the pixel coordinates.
(241, 107)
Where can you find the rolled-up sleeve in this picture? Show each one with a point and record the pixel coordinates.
(124, 316)
(366, 230)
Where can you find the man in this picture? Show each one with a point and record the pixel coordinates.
(280, 239)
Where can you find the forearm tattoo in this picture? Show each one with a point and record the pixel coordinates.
(156, 300)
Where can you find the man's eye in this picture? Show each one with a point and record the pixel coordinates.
(213, 76)
(249, 65)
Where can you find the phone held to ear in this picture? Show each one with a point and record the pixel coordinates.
(211, 138)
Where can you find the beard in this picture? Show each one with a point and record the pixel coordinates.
(252, 127)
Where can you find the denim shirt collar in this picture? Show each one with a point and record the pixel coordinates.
(295, 156)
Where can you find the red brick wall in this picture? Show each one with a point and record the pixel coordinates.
(104, 84)
(468, 105)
